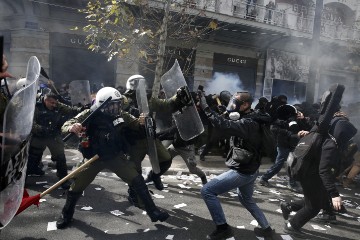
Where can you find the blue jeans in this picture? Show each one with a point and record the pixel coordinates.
(282, 155)
(226, 182)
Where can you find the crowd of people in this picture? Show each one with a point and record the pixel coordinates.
(117, 136)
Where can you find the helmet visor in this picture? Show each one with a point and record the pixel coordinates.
(113, 108)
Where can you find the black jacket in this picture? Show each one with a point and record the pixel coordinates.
(328, 157)
(247, 129)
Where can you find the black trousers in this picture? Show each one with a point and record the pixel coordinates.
(315, 199)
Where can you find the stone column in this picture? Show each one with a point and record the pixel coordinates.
(24, 44)
(124, 69)
(203, 67)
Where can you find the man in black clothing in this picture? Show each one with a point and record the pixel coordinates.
(319, 183)
(243, 161)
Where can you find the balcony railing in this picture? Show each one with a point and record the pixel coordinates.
(289, 19)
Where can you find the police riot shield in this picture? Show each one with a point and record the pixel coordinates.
(143, 106)
(80, 94)
(17, 124)
(187, 120)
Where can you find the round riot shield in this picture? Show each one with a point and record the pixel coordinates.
(80, 92)
(18, 120)
(187, 121)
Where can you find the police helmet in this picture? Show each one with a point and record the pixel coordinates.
(115, 104)
(132, 82)
(21, 83)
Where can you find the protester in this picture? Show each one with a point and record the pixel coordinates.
(318, 182)
(243, 161)
(286, 130)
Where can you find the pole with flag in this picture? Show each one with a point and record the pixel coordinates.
(27, 200)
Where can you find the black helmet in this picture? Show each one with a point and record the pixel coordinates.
(286, 111)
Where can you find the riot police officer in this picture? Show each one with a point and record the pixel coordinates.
(139, 150)
(48, 119)
(107, 136)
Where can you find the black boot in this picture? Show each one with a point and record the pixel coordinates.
(138, 184)
(152, 177)
(68, 210)
(33, 163)
(133, 199)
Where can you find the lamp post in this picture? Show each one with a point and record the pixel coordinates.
(314, 62)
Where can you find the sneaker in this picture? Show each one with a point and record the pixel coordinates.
(293, 232)
(264, 183)
(203, 180)
(265, 233)
(325, 217)
(285, 209)
(221, 234)
(296, 189)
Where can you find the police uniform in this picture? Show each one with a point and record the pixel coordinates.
(139, 150)
(106, 138)
(46, 133)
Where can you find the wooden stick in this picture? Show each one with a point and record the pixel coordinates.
(218, 101)
(70, 175)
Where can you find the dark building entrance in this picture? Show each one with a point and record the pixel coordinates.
(294, 91)
(243, 67)
(70, 60)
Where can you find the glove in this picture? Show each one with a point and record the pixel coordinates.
(202, 101)
(221, 108)
(183, 96)
(203, 104)
(82, 108)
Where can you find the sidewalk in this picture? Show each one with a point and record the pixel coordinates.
(211, 165)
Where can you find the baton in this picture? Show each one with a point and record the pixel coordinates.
(89, 117)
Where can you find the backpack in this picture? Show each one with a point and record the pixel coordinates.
(307, 149)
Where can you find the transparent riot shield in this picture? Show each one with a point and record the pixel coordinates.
(187, 121)
(18, 120)
(143, 106)
(80, 92)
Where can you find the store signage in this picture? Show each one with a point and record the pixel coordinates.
(224, 59)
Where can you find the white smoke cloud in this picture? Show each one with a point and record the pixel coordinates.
(224, 81)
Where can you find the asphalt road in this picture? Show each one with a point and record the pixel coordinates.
(95, 219)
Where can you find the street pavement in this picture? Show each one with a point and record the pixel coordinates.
(104, 212)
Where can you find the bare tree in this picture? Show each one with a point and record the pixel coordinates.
(138, 30)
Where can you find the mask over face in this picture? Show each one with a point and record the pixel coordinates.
(237, 100)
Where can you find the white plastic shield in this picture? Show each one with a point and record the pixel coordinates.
(149, 124)
(80, 94)
(18, 120)
(187, 121)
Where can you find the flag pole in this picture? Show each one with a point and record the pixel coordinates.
(70, 175)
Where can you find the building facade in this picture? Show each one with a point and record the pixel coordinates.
(265, 46)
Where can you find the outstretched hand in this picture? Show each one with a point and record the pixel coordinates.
(202, 101)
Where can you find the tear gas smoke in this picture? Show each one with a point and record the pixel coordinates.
(224, 81)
